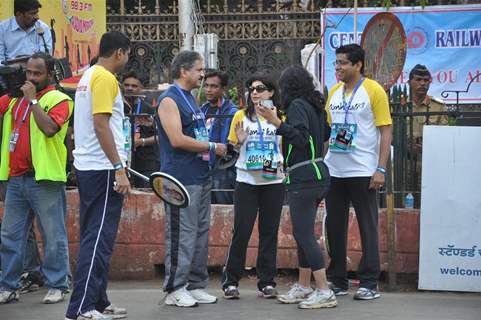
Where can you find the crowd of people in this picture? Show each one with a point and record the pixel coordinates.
(290, 141)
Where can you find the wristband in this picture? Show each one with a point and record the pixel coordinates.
(212, 146)
(143, 142)
(381, 169)
(118, 165)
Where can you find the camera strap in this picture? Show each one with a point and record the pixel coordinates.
(24, 114)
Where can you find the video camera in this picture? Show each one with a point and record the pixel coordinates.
(13, 74)
(13, 77)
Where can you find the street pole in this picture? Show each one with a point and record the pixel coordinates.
(355, 21)
(186, 26)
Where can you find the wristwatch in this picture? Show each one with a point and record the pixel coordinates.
(33, 101)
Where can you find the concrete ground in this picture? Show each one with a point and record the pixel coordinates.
(142, 301)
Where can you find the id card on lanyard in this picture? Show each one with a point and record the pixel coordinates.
(210, 122)
(261, 155)
(200, 132)
(16, 131)
(342, 139)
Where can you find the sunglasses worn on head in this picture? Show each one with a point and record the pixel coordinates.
(259, 89)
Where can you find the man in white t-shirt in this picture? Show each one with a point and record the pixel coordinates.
(361, 133)
(100, 159)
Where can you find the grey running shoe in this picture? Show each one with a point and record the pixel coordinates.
(268, 292)
(231, 292)
(318, 299)
(366, 294)
(296, 294)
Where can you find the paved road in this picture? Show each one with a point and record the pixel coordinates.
(142, 300)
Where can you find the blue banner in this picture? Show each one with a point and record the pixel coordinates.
(447, 39)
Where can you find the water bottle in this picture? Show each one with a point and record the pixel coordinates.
(409, 201)
(128, 137)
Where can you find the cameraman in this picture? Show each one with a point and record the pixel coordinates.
(24, 33)
(33, 164)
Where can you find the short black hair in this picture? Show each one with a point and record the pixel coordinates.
(184, 60)
(131, 74)
(112, 41)
(48, 59)
(354, 52)
(224, 78)
(23, 6)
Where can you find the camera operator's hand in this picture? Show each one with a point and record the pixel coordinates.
(29, 91)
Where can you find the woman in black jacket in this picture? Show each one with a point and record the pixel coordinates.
(304, 131)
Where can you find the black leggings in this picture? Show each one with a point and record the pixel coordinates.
(303, 206)
(249, 200)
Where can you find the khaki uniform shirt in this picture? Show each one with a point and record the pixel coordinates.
(428, 105)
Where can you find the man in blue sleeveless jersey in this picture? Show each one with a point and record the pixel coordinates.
(185, 146)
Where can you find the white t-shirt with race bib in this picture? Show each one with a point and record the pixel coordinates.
(97, 92)
(249, 163)
(357, 154)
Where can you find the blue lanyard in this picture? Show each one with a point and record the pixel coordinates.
(190, 106)
(344, 104)
(138, 106)
(261, 136)
(24, 114)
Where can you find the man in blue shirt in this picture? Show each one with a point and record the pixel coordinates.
(185, 146)
(219, 111)
(24, 33)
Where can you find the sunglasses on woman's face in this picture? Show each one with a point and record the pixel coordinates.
(259, 89)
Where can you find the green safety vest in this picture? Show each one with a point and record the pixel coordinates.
(49, 154)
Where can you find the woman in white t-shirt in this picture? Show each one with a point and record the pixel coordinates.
(259, 189)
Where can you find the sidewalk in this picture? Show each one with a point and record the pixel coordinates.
(142, 298)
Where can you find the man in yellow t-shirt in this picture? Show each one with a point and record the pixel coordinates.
(100, 158)
(361, 133)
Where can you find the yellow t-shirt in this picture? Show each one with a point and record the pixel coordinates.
(369, 110)
(97, 92)
(254, 177)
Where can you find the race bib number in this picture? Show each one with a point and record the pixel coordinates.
(343, 138)
(257, 156)
(201, 134)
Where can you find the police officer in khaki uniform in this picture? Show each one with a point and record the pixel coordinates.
(419, 82)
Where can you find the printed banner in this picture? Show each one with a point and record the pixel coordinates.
(450, 238)
(447, 39)
(76, 26)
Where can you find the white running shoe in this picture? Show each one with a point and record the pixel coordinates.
(115, 312)
(180, 298)
(53, 296)
(319, 299)
(202, 297)
(8, 296)
(93, 315)
(296, 294)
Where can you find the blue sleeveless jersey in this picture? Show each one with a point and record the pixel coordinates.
(187, 167)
